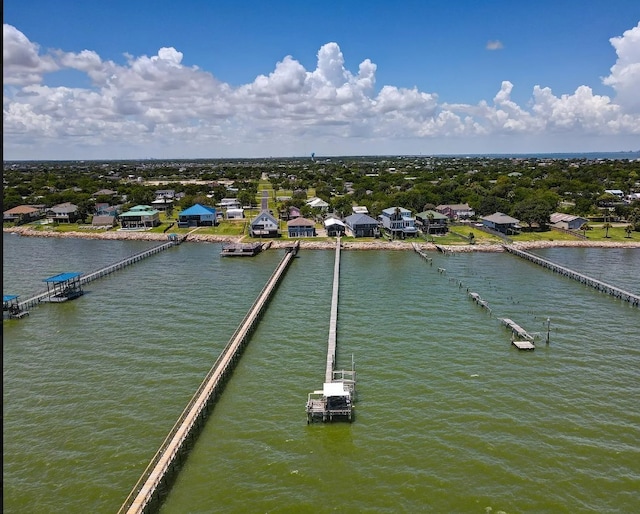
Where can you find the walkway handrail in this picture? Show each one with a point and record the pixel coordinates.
(598, 284)
(89, 277)
(200, 398)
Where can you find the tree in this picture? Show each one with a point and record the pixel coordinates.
(628, 229)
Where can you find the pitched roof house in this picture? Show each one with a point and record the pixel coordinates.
(362, 225)
(501, 222)
(63, 213)
(264, 225)
(197, 216)
(22, 214)
(140, 217)
(456, 211)
(301, 227)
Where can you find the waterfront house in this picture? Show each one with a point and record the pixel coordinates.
(567, 221)
(301, 227)
(197, 216)
(398, 222)
(456, 211)
(140, 217)
(501, 222)
(334, 227)
(433, 222)
(264, 225)
(22, 214)
(63, 213)
(362, 225)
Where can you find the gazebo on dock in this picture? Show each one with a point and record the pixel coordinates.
(11, 308)
(64, 286)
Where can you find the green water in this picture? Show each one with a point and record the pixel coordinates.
(449, 416)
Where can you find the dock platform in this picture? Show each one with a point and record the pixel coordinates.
(241, 249)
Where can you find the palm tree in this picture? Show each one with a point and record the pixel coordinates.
(584, 227)
(628, 229)
(606, 228)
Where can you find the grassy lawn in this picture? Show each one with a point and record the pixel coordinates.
(549, 235)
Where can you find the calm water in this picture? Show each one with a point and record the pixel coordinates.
(449, 417)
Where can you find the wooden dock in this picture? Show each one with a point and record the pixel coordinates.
(517, 329)
(337, 394)
(422, 253)
(482, 303)
(633, 299)
(107, 270)
(156, 479)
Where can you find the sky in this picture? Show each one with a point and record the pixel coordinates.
(196, 79)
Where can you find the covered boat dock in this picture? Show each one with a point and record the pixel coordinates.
(63, 287)
(11, 308)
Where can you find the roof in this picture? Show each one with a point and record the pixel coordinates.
(300, 222)
(455, 206)
(22, 209)
(360, 219)
(333, 221)
(198, 210)
(62, 277)
(392, 210)
(265, 214)
(436, 215)
(560, 216)
(335, 389)
(103, 219)
(501, 219)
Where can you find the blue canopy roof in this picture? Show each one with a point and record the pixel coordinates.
(9, 297)
(62, 277)
(198, 210)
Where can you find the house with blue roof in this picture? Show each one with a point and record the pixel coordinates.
(198, 216)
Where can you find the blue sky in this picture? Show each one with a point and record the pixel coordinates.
(196, 79)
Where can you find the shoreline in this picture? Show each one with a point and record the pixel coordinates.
(322, 245)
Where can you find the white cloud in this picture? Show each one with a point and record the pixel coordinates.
(157, 106)
(625, 73)
(494, 45)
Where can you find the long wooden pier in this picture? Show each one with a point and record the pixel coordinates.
(633, 299)
(155, 481)
(107, 270)
(337, 394)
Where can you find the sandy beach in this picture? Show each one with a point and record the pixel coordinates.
(320, 245)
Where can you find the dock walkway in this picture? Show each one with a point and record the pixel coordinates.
(337, 394)
(633, 299)
(156, 479)
(107, 270)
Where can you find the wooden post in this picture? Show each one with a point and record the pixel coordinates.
(548, 328)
